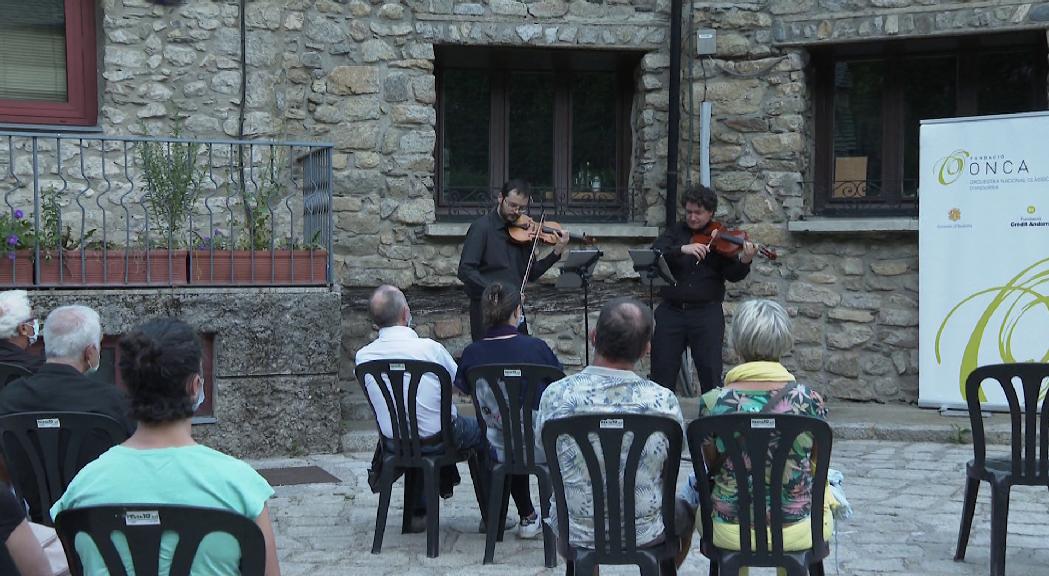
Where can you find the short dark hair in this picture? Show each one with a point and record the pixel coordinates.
(156, 359)
(701, 195)
(498, 303)
(624, 329)
(516, 185)
(386, 305)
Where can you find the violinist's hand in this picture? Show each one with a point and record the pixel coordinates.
(746, 256)
(696, 250)
(562, 242)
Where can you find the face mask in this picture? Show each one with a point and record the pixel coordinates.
(36, 332)
(200, 397)
(411, 321)
(93, 369)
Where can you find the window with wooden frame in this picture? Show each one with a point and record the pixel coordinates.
(48, 71)
(559, 119)
(870, 100)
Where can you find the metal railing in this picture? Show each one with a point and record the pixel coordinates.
(863, 198)
(606, 204)
(119, 211)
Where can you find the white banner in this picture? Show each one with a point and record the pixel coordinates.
(983, 250)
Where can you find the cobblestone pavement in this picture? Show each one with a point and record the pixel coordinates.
(907, 499)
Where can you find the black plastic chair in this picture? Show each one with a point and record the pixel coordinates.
(144, 524)
(516, 389)
(1028, 463)
(45, 450)
(403, 452)
(748, 437)
(10, 372)
(615, 507)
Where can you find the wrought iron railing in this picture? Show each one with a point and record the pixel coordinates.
(604, 204)
(89, 211)
(864, 198)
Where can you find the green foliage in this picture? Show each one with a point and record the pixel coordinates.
(16, 231)
(52, 236)
(173, 180)
(259, 202)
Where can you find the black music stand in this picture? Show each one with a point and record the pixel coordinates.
(652, 268)
(576, 272)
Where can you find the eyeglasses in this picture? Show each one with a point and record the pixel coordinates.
(515, 207)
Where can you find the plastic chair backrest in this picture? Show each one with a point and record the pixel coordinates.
(749, 439)
(614, 502)
(144, 524)
(1029, 466)
(401, 399)
(516, 389)
(10, 372)
(52, 445)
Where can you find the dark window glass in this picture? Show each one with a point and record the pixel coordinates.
(1009, 83)
(531, 131)
(593, 170)
(857, 128)
(931, 92)
(464, 153)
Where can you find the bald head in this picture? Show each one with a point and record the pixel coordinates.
(624, 330)
(387, 306)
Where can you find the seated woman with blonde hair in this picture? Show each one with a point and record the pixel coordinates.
(761, 335)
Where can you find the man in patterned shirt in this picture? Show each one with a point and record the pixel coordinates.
(609, 386)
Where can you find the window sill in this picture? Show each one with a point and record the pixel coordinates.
(50, 128)
(832, 225)
(599, 231)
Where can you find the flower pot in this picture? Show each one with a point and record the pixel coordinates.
(258, 267)
(115, 267)
(17, 271)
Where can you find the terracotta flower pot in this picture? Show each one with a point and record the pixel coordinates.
(17, 271)
(115, 267)
(258, 267)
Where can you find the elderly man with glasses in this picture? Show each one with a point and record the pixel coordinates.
(19, 330)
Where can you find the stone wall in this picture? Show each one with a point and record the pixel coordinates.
(276, 389)
(361, 75)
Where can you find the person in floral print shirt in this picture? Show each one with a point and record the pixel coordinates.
(760, 335)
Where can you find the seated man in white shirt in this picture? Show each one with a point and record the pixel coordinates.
(390, 313)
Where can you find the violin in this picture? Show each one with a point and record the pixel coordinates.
(524, 231)
(728, 241)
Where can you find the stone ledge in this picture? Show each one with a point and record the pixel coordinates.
(836, 225)
(599, 231)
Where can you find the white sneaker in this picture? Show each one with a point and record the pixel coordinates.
(510, 523)
(530, 527)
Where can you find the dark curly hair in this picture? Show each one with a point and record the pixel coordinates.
(702, 196)
(156, 359)
(498, 303)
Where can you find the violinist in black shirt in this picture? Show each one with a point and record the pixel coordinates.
(691, 312)
(490, 255)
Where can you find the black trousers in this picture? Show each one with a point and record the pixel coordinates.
(477, 327)
(702, 329)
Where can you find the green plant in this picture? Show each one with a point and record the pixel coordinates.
(52, 236)
(259, 201)
(960, 434)
(173, 180)
(16, 231)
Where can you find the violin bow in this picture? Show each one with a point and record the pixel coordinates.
(531, 255)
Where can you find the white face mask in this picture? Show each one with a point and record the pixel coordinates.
(36, 332)
(200, 396)
(92, 369)
(411, 321)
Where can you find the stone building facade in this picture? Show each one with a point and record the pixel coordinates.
(366, 76)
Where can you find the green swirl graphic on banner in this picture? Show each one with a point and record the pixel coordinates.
(951, 166)
(1017, 297)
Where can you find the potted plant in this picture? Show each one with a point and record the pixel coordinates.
(173, 178)
(64, 259)
(256, 256)
(16, 232)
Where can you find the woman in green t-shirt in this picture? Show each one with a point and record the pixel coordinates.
(160, 362)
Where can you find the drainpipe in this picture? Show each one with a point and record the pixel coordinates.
(674, 116)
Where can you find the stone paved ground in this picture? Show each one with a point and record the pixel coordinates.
(907, 499)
